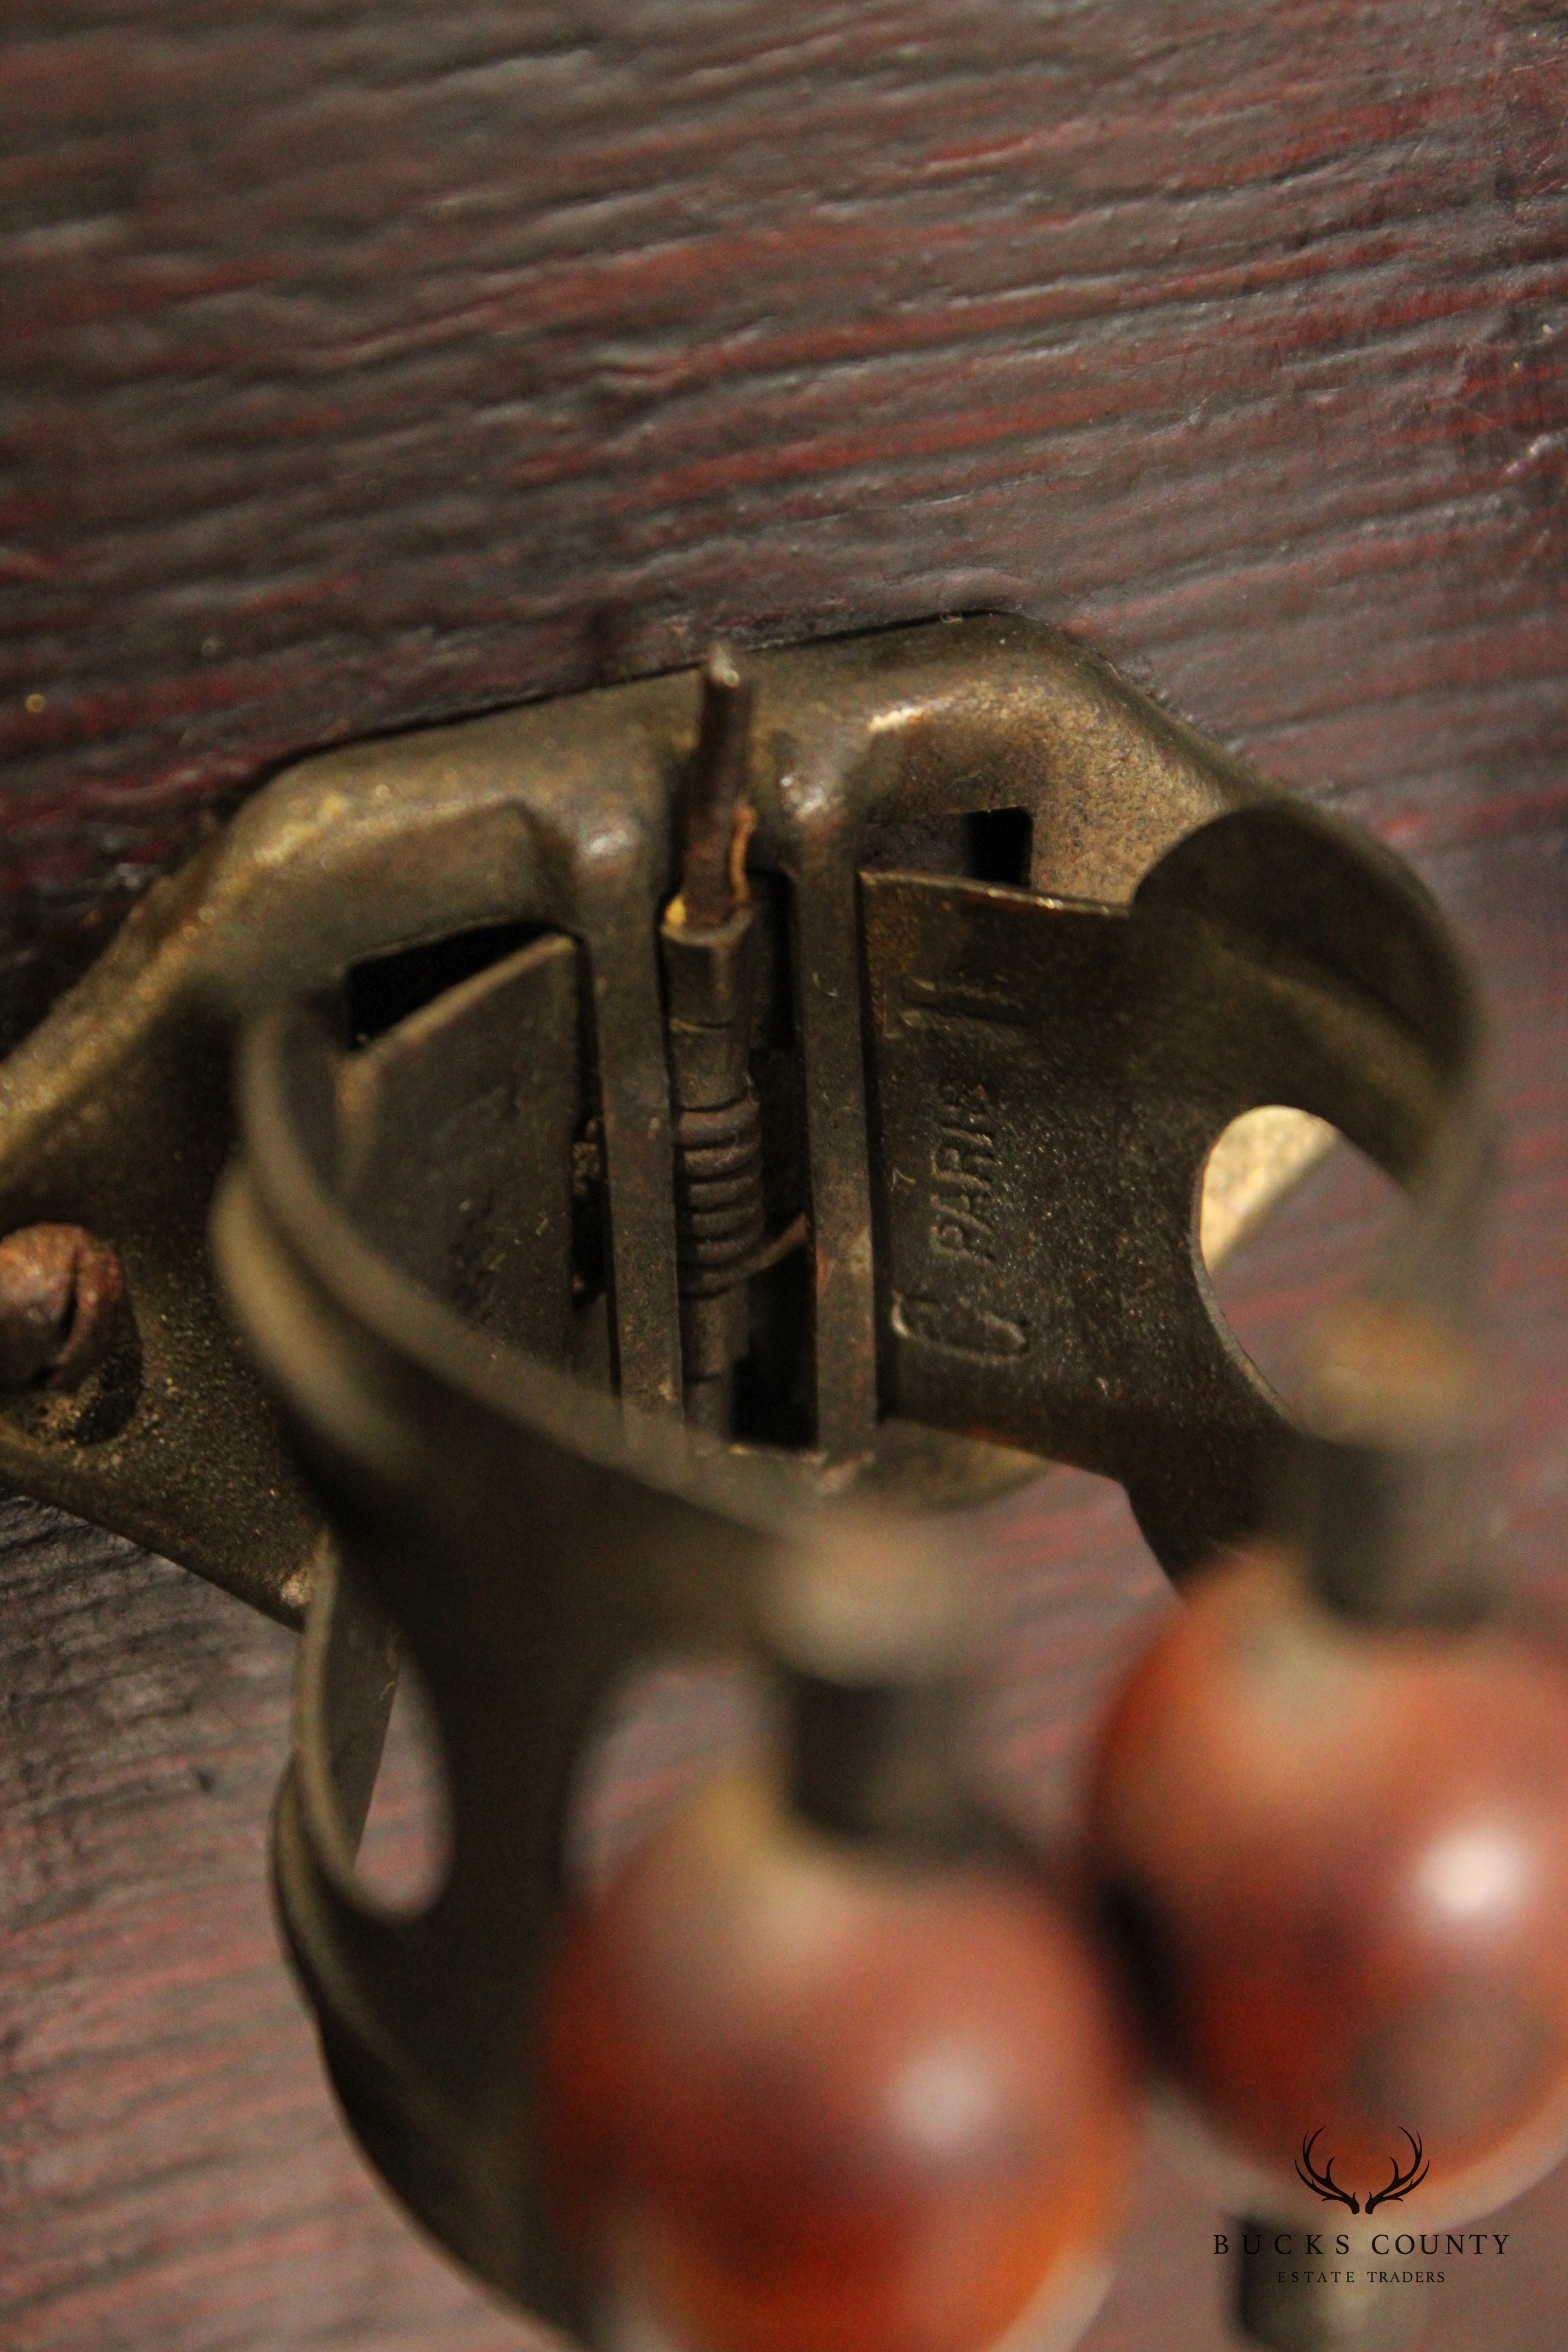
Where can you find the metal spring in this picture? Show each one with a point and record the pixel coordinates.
(718, 1206)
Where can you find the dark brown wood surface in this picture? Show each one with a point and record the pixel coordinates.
(363, 361)
(373, 361)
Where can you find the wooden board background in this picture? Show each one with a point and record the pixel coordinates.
(364, 363)
(366, 360)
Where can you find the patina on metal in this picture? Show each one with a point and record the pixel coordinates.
(1018, 946)
(116, 1116)
(1049, 1079)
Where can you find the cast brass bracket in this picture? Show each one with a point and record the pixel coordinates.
(116, 1115)
(1028, 944)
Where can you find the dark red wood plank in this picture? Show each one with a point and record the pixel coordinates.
(371, 363)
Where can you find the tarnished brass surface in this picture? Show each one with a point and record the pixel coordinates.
(1026, 947)
(116, 1115)
(1048, 1080)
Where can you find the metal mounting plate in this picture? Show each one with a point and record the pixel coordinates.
(1007, 1092)
(116, 1115)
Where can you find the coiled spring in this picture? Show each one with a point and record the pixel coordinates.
(720, 1212)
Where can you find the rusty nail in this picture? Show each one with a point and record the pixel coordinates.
(61, 1302)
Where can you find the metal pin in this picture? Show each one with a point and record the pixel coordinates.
(706, 947)
(713, 806)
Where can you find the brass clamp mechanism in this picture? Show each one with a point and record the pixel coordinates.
(679, 1124)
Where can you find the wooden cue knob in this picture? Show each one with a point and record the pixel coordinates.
(803, 2096)
(1343, 1853)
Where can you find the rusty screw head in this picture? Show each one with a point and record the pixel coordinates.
(62, 1300)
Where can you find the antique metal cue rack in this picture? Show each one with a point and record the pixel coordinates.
(683, 1135)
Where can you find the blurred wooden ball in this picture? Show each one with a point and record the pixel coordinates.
(1341, 1852)
(804, 2097)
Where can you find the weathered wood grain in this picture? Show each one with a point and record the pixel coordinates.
(367, 363)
